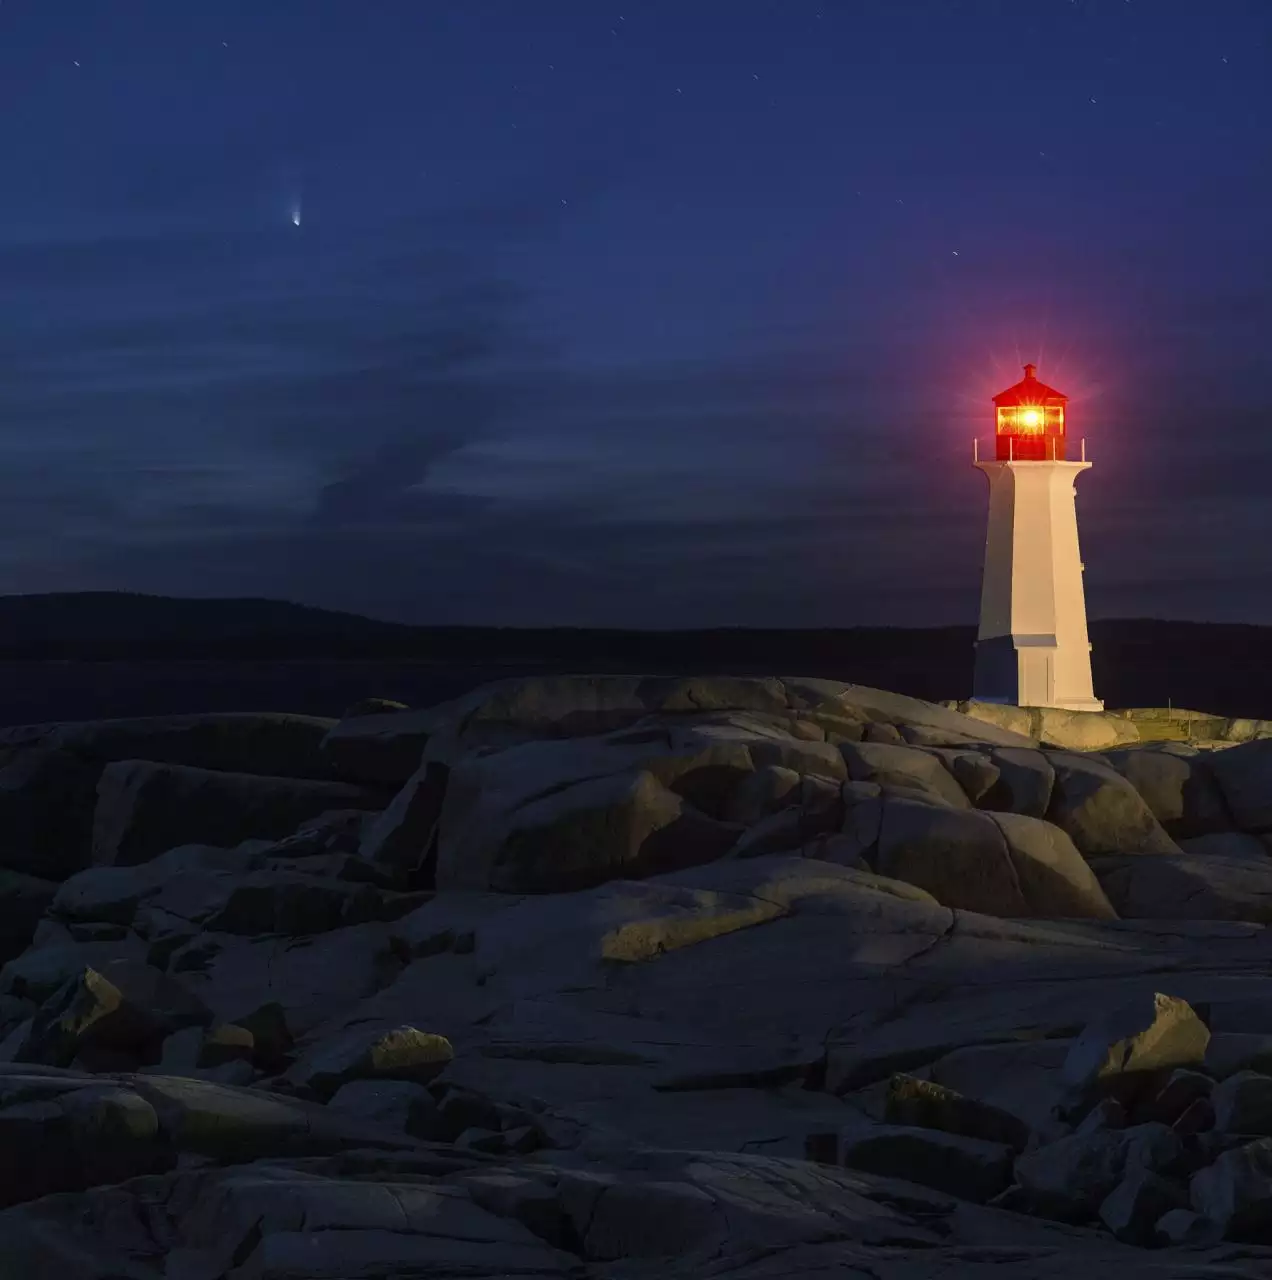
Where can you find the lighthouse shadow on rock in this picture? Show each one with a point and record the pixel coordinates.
(1032, 648)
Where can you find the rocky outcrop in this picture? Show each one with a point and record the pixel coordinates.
(144, 809)
(1100, 730)
(623, 977)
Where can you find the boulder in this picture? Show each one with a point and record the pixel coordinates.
(1132, 1210)
(37, 973)
(227, 1042)
(1081, 730)
(1244, 776)
(809, 825)
(144, 809)
(125, 1008)
(272, 1038)
(401, 837)
(1181, 1090)
(763, 793)
(310, 979)
(1196, 1118)
(1228, 844)
(1188, 886)
(1001, 865)
(1017, 1076)
(1024, 785)
(1184, 1228)
(1070, 1178)
(373, 1053)
(1133, 1046)
(1243, 1103)
(1055, 880)
(384, 748)
(1101, 811)
(974, 771)
(1013, 719)
(76, 1136)
(913, 1102)
(904, 767)
(397, 1104)
(1231, 1051)
(235, 1125)
(617, 825)
(970, 1168)
(179, 880)
(1180, 790)
(23, 900)
(49, 773)
(1056, 726)
(1235, 1193)
(291, 903)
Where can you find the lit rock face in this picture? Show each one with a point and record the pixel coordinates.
(606, 976)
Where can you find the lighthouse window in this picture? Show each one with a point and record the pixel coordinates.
(1030, 420)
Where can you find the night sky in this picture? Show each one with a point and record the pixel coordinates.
(652, 313)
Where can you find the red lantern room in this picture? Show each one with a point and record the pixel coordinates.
(1030, 421)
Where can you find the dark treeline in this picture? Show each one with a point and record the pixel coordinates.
(1138, 662)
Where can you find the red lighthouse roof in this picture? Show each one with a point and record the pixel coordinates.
(1030, 391)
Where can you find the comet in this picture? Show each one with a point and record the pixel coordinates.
(295, 215)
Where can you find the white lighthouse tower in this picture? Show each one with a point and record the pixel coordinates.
(1032, 648)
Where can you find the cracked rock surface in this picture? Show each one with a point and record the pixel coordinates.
(629, 978)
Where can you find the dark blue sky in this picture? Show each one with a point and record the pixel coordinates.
(658, 312)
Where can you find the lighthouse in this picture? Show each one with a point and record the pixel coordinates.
(1032, 648)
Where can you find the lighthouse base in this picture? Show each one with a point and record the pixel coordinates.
(1022, 671)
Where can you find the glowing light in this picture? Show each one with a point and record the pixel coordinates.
(1030, 418)
(295, 216)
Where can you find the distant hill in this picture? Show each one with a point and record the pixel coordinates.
(1137, 662)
